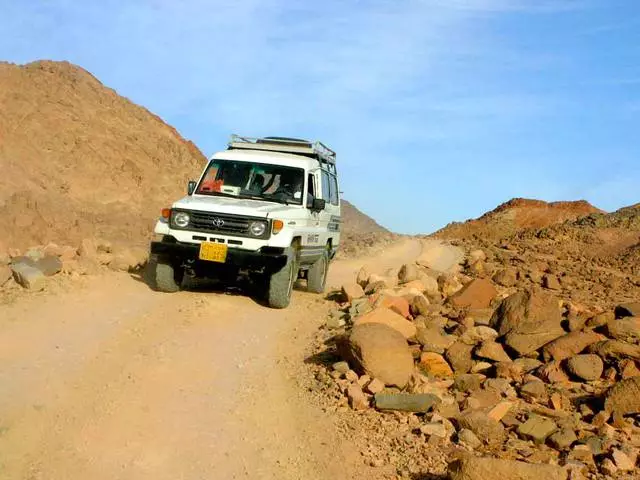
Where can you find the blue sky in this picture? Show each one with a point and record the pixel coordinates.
(439, 109)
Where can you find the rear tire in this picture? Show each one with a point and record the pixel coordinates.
(166, 277)
(280, 283)
(317, 274)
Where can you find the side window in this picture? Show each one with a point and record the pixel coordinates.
(334, 190)
(311, 190)
(326, 187)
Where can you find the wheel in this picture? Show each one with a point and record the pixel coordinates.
(280, 283)
(166, 277)
(317, 274)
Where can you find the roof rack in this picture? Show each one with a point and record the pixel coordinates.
(296, 146)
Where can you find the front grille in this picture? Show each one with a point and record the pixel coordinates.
(204, 222)
(223, 224)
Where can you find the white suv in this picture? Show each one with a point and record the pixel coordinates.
(267, 207)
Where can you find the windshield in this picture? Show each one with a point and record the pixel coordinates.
(258, 181)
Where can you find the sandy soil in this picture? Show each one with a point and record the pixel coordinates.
(115, 381)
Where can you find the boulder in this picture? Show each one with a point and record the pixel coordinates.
(88, 249)
(476, 256)
(408, 272)
(28, 276)
(624, 397)
(563, 439)
(468, 382)
(435, 364)
(433, 340)
(479, 334)
(489, 431)
(528, 320)
(492, 351)
(400, 305)
(352, 291)
(626, 329)
(419, 305)
(551, 282)
(357, 398)
(507, 277)
(363, 277)
(534, 391)
(486, 468)
(569, 345)
(459, 357)
(615, 349)
(631, 309)
(49, 266)
(537, 429)
(600, 320)
(379, 351)
(476, 294)
(430, 285)
(586, 367)
(406, 402)
(449, 284)
(552, 372)
(390, 318)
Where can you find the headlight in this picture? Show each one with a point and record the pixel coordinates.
(257, 229)
(181, 219)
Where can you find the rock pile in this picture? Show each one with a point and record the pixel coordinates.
(32, 268)
(496, 367)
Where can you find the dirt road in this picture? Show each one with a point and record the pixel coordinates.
(115, 381)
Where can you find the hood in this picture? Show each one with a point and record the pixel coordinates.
(234, 206)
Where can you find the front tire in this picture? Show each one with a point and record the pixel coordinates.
(166, 277)
(280, 283)
(317, 274)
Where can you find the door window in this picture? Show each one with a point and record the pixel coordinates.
(326, 187)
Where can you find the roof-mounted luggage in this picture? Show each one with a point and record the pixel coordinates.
(296, 146)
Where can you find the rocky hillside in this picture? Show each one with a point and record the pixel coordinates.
(516, 214)
(360, 232)
(79, 160)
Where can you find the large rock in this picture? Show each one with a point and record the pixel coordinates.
(570, 345)
(479, 334)
(485, 468)
(476, 294)
(459, 356)
(28, 276)
(433, 340)
(406, 402)
(586, 367)
(435, 364)
(400, 305)
(419, 305)
(351, 292)
(507, 277)
(489, 431)
(492, 351)
(631, 309)
(626, 329)
(408, 273)
(49, 266)
(379, 351)
(528, 320)
(391, 319)
(449, 284)
(615, 349)
(624, 397)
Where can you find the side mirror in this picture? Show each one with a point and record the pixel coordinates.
(191, 187)
(318, 204)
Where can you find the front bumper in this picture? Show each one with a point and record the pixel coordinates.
(271, 258)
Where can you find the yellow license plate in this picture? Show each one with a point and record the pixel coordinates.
(213, 252)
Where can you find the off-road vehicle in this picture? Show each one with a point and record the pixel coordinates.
(267, 208)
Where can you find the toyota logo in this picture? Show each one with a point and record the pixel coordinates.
(217, 222)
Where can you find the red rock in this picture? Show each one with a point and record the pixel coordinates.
(477, 294)
(399, 305)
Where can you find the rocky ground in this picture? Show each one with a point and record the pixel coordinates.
(521, 363)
